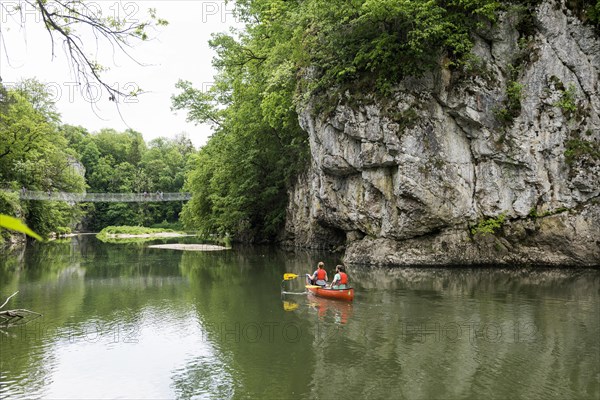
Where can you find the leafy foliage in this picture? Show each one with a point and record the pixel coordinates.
(121, 162)
(33, 154)
(587, 10)
(37, 153)
(593, 13)
(123, 234)
(131, 230)
(568, 100)
(488, 226)
(579, 150)
(15, 224)
(383, 40)
(512, 103)
(288, 52)
(241, 176)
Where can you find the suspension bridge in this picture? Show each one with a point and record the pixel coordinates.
(25, 194)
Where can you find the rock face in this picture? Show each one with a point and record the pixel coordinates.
(413, 179)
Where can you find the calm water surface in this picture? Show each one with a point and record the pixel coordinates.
(127, 321)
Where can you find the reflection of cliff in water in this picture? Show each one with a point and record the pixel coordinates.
(449, 333)
(467, 280)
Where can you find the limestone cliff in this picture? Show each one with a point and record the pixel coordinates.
(417, 177)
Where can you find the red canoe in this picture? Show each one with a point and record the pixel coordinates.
(338, 294)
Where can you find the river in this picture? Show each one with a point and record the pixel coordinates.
(128, 321)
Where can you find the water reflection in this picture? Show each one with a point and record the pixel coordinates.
(335, 310)
(289, 305)
(460, 333)
(128, 321)
(203, 378)
(141, 359)
(325, 309)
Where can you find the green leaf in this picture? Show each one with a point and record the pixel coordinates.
(16, 225)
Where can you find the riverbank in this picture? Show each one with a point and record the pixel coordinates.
(189, 247)
(156, 235)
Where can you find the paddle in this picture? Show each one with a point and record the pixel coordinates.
(288, 276)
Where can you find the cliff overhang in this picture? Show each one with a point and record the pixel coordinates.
(497, 165)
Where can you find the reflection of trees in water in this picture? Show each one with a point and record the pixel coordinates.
(236, 294)
(467, 280)
(10, 264)
(50, 280)
(413, 332)
(439, 333)
(83, 289)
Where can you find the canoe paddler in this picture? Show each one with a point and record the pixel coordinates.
(340, 280)
(319, 277)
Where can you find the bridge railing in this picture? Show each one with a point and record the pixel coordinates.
(103, 197)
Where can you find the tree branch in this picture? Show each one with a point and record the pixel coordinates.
(9, 298)
(8, 316)
(61, 17)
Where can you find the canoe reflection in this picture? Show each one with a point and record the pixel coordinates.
(340, 311)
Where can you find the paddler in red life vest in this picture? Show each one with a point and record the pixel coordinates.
(319, 277)
(340, 280)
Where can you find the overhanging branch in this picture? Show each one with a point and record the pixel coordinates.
(61, 18)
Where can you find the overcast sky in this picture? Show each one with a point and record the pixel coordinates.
(178, 51)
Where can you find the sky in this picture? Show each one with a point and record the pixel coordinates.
(177, 51)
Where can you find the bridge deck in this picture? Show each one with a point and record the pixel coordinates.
(103, 197)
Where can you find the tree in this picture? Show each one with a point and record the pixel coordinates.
(242, 175)
(38, 96)
(69, 21)
(22, 129)
(137, 147)
(34, 155)
(77, 136)
(293, 51)
(32, 150)
(122, 162)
